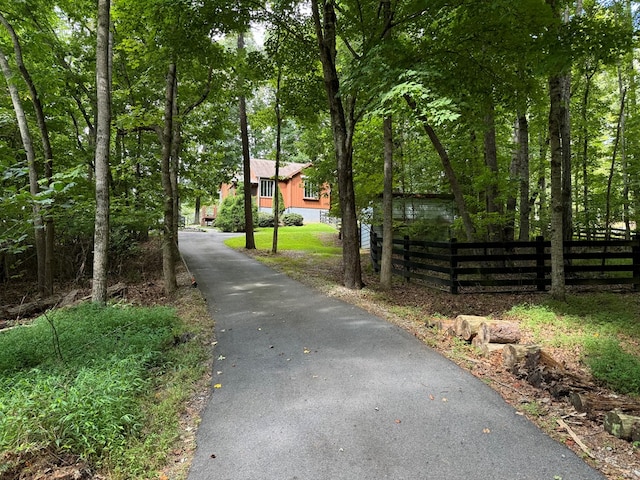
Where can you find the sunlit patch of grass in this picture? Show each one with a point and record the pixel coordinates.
(316, 238)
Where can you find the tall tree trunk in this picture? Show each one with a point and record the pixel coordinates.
(342, 125)
(27, 143)
(448, 170)
(387, 206)
(103, 141)
(168, 240)
(565, 134)
(543, 204)
(616, 144)
(523, 174)
(557, 206)
(276, 190)
(246, 162)
(509, 231)
(47, 151)
(174, 168)
(565, 141)
(387, 189)
(494, 209)
(585, 155)
(196, 213)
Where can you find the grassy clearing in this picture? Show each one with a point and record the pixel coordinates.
(602, 328)
(106, 385)
(308, 238)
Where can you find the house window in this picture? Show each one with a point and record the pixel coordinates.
(311, 190)
(266, 188)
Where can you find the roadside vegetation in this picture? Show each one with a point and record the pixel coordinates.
(102, 390)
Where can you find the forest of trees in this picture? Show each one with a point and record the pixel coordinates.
(114, 114)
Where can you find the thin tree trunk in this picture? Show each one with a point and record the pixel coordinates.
(523, 174)
(448, 171)
(557, 210)
(494, 209)
(196, 214)
(27, 143)
(103, 140)
(46, 148)
(387, 189)
(174, 168)
(387, 206)
(276, 190)
(168, 240)
(509, 230)
(585, 156)
(616, 144)
(565, 134)
(246, 161)
(342, 126)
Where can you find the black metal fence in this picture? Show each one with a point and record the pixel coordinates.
(513, 266)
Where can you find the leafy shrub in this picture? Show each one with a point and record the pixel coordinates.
(230, 216)
(292, 220)
(265, 220)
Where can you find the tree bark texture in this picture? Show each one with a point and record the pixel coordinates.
(387, 189)
(168, 240)
(523, 174)
(491, 162)
(342, 126)
(565, 134)
(276, 191)
(47, 151)
(246, 162)
(558, 290)
(387, 206)
(27, 143)
(103, 141)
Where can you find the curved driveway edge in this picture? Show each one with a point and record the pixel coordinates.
(311, 388)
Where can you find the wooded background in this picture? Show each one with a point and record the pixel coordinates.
(527, 112)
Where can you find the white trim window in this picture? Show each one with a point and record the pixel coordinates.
(311, 190)
(266, 187)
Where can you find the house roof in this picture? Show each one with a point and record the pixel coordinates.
(261, 168)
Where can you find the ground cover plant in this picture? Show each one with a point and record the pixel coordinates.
(101, 388)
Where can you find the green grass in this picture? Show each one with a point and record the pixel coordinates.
(602, 327)
(311, 238)
(104, 384)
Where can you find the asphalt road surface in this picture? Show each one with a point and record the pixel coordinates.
(311, 388)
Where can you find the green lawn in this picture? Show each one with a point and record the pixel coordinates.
(315, 238)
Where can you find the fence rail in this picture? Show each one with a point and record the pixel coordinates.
(515, 266)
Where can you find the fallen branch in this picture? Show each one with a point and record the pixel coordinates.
(575, 437)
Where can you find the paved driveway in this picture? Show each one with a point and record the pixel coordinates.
(311, 388)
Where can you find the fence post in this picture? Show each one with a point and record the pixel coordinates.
(453, 265)
(540, 263)
(636, 262)
(374, 251)
(407, 258)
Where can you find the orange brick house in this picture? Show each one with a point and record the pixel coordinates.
(299, 195)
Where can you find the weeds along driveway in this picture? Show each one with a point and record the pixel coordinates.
(307, 387)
